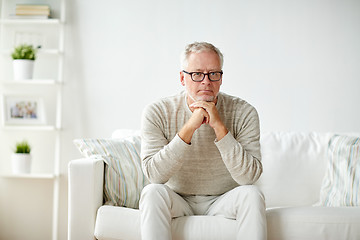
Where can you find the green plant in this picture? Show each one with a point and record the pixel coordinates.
(24, 51)
(22, 147)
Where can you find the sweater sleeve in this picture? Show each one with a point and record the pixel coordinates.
(241, 152)
(161, 157)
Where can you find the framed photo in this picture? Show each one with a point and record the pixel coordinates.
(23, 110)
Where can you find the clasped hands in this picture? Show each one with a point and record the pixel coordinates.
(203, 113)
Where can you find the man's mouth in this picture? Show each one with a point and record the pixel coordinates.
(205, 91)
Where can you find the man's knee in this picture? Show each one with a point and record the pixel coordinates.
(251, 193)
(153, 193)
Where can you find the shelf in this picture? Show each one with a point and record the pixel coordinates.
(31, 82)
(49, 51)
(30, 128)
(29, 176)
(30, 21)
(49, 33)
(53, 51)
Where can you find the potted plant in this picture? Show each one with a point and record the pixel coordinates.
(21, 158)
(23, 57)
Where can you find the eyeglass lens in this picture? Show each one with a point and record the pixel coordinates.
(199, 76)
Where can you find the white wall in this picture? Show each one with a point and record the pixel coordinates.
(296, 61)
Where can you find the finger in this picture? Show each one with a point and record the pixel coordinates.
(195, 105)
(206, 117)
(192, 108)
(198, 104)
(203, 104)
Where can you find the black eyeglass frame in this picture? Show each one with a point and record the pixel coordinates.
(204, 74)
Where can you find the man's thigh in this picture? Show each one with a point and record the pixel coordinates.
(161, 197)
(238, 199)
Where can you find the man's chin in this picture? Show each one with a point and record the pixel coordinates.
(205, 98)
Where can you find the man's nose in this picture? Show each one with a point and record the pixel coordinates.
(206, 79)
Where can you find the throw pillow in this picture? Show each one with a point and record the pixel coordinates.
(341, 182)
(123, 176)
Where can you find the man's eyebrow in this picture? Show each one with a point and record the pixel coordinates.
(210, 70)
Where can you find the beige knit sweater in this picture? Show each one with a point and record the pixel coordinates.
(206, 166)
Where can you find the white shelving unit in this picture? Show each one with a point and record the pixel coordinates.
(48, 80)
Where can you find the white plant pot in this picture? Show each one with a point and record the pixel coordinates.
(21, 163)
(23, 69)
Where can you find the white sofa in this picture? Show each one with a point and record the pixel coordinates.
(294, 166)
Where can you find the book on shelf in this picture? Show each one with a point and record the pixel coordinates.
(32, 6)
(13, 16)
(29, 10)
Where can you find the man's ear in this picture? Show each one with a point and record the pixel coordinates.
(182, 78)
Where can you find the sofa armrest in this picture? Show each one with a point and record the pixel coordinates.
(85, 196)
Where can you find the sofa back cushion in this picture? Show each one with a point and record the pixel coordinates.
(123, 176)
(341, 184)
(294, 165)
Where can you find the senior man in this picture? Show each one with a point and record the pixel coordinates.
(201, 152)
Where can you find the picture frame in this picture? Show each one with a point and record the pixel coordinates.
(23, 110)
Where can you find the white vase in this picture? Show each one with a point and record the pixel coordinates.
(23, 69)
(21, 163)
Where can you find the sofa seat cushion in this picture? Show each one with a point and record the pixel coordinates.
(114, 222)
(203, 228)
(295, 223)
(314, 223)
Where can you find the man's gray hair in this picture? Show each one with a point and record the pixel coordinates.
(198, 47)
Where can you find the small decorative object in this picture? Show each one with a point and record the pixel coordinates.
(23, 61)
(23, 110)
(21, 158)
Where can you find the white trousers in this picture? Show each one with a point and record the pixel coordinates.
(159, 205)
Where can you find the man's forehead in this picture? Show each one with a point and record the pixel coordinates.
(205, 51)
(199, 61)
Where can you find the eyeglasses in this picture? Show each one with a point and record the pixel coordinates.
(199, 76)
